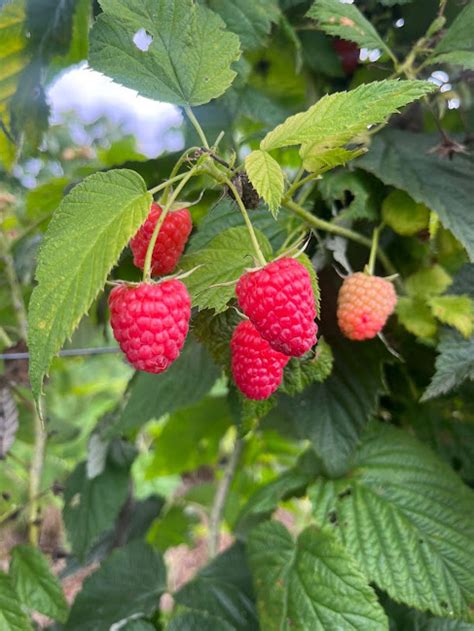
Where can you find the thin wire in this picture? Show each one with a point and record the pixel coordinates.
(69, 352)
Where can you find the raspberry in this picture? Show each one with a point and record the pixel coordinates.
(150, 322)
(348, 53)
(170, 243)
(256, 367)
(279, 301)
(364, 304)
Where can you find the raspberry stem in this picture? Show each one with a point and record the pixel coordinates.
(196, 125)
(163, 185)
(248, 223)
(374, 249)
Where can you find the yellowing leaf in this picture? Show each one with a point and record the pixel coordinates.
(266, 177)
(457, 311)
(403, 214)
(416, 317)
(431, 281)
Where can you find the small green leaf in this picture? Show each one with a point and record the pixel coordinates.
(91, 506)
(312, 583)
(83, 242)
(416, 316)
(337, 118)
(347, 22)
(299, 374)
(363, 189)
(457, 311)
(454, 364)
(173, 528)
(190, 377)
(460, 34)
(403, 214)
(129, 582)
(223, 260)
(407, 519)
(427, 282)
(266, 177)
(331, 158)
(188, 60)
(35, 584)
(251, 20)
(464, 58)
(12, 617)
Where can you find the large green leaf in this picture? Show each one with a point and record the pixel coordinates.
(266, 177)
(460, 35)
(251, 20)
(344, 20)
(407, 519)
(35, 584)
(223, 589)
(332, 414)
(12, 617)
(404, 160)
(91, 506)
(129, 582)
(309, 584)
(454, 364)
(83, 242)
(337, 118)
(190, 438)
(190, 377)
(188, 61)
(223, 260)
(198, 621)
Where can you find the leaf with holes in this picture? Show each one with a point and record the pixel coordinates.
(187, 61)
(312, 583)
(83, 242)
(266, 177)
(407, 519)
(8, 419)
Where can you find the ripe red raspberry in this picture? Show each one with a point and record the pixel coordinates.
(150, 322)
(279, 301)
(348, 53)
(364, 304)
(170, 242)
(257, 368)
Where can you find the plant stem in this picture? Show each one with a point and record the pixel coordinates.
(174, 172)
(197, 126)
(374, 249)
(159, 223)
(36, 467)
(321, 224)
(4, 337)
(160, 187)
(220, 498)
(248, 223)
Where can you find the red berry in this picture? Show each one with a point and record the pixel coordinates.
(170, 243)
(256, 367)
(150, 322)
(279, 301)
(348, 53)
(364, 304)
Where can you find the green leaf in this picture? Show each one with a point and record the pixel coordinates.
(403, 214)
(457, 311)
(312, 583)
(460, 35)
(416, 316)
(427, 282)
(91, 506)
(223, 589)
(251, 20)
(198, 621)
(464, 58)
(35, 584)
(454, 364)
(46, 197)
(403, 159)
(266, 176)
(223, 260)
(364, 203)
(337, 118)
(12, 617)
(129, 582)
(188, 61)
(347, 22)
(190, 377)
(225, 214)
(83, 242)
(174, 528)
(407, 519)
(190, 438)
(299, 374)
(331, 158)
(332, 414)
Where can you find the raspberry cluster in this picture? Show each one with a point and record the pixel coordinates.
(364, 304)
(279, 302)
